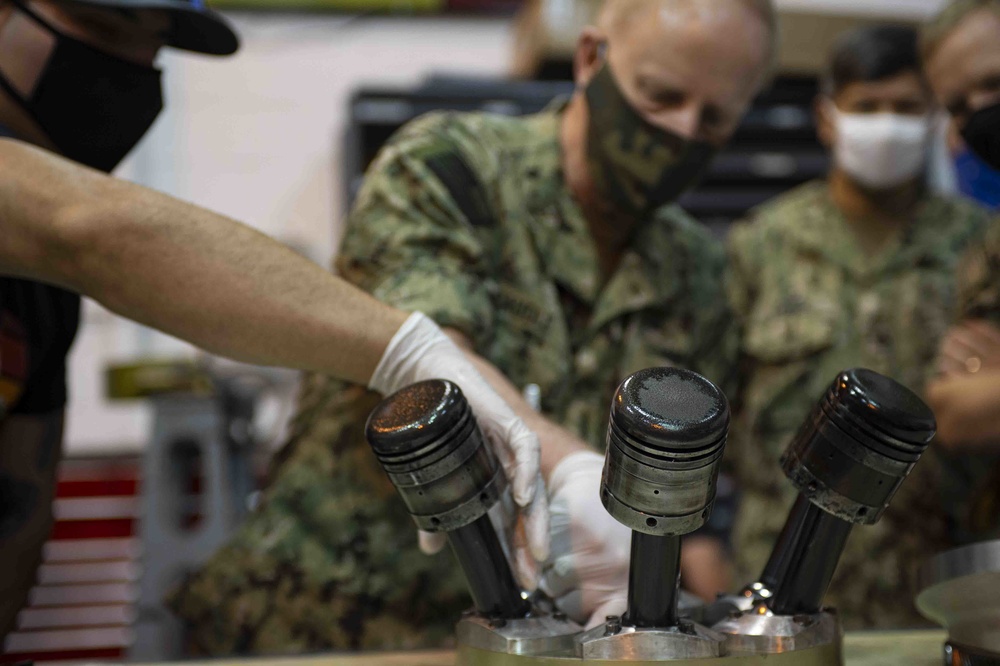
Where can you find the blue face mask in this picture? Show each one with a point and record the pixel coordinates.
(93, 106)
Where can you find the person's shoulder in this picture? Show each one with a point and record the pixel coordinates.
(475, 135)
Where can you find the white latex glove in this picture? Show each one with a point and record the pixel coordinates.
(587, 574)
(421, 351)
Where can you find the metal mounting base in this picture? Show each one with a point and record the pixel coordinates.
(758, 631)
(543, 635)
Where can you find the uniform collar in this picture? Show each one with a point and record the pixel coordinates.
(822, 230)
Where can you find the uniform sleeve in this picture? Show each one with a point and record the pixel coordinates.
(414, 239)
(979, 278)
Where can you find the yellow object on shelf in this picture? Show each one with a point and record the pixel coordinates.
(146, 379)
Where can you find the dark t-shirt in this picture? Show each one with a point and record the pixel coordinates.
(37, 325)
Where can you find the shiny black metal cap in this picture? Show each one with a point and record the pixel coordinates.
(888, 411)
(427, 440)
(414, 423)
(858, 445)
(670, 411)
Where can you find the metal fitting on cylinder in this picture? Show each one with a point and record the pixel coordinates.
(427, 440)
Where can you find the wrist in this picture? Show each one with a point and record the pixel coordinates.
(408, 345)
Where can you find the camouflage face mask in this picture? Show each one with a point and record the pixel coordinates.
(637, 166)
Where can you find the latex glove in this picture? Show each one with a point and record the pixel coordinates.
(587, 574)
(421, 351)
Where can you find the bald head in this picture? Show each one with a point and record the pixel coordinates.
(618, 17)
(689, 66)
(962, 56)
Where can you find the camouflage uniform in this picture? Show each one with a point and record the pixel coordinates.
(810, 303)
(972, 480)
(466, 218)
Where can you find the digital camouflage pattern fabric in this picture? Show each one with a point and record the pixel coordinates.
(810, 303)
(972, 482)
(467, 219)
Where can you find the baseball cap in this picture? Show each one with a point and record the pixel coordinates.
(194, 27)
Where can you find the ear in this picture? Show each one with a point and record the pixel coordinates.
(588, 57)
(826, 126)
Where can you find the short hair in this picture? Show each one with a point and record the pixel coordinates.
(616, 14)
(871, 53)
(937, 29)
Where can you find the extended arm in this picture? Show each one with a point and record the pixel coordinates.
(182, 269)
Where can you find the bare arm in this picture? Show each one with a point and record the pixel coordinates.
(557, 442)
(29, 451)
(184, 270)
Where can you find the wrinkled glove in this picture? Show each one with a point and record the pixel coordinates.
(587, 574)
(421, 351)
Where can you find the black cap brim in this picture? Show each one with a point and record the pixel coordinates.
(194, 27)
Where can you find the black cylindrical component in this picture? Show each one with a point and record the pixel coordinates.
(785, 547)
(427, 440)
(847, 461)
(812, 557)
(666, 437)
(487, 573)
(653, 580)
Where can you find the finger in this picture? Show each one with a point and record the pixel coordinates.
(985, 331)
(527, 461)
(950, 367)
(525, 566)
(537, 523)
(431, 543)
(966, 341)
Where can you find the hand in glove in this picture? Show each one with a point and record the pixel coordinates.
(587, 574)
(421, 351)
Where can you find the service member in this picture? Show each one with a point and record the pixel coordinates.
(76, 78)
(853, 271)
(961, 49)
(548, 245)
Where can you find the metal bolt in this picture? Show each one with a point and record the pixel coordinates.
(612, 625)
(498, 622)
(686, 627)
(804, 620)
(559, 616)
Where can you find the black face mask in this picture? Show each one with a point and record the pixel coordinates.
(637, 166)
(982, 134)
(93, 106)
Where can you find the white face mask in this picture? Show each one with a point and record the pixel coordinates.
(881, 150)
